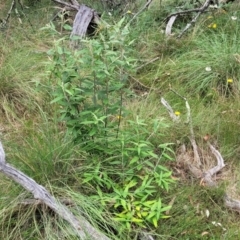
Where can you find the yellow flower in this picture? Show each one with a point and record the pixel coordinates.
(212, 25)
(177, 113)
(129, 12)
(119, 117)
(230, 80)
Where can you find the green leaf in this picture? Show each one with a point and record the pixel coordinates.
(134, 160)
(137, 220)
(124, 204)
(155, 222)
(150, 215)
(67, 27)
(57, 99)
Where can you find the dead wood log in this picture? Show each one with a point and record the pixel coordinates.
(83, 19)
(81, 226)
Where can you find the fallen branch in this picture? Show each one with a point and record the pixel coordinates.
(148, 62)
(172, 17)
(192, 135)
(208, 175)
(168, 31)
(201, 10)
(13, 6)
(140, 11)
(170, 110)
(145, 236)
(73, 6)
(81, 226)
(232, 203)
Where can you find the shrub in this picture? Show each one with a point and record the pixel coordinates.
(123, 168)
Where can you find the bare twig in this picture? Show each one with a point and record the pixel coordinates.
(211, 172)
(170, 110)
(169, 25)
(145, 236)
(192, 136)
(5, 21)
(148, 62)
(181, 13)
(172, 17)
(75, 2)
(2, 155)
(201, 10)
(74, 7)
(81, 226)
(140, 11)
(234, 204)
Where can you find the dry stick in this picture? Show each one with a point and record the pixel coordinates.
(75, 2)
(181, 13)
(148, 62)
(192, 136)
(140, 11)
(201, 10)
(81, 226)
(169, 25)
(234, 204)
(172, 17)
(207, 176)
(74, 7)
(170, 110)
(4, 21)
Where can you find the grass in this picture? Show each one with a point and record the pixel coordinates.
(36, 143)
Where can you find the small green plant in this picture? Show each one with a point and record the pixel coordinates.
(90, 85)
(124, 169)
(133, 184)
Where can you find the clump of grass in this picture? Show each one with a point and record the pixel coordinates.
(44, 154)
(209, 61)
(22, 54)
(189, 215)
(23, 217)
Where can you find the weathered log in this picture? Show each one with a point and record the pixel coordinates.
(84, 17)
(81, 226)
